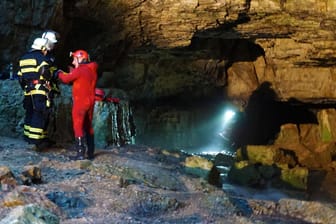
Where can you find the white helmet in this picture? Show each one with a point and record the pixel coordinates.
(51, 36)
(39, 44)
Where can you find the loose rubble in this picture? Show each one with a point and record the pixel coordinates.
(130, 184)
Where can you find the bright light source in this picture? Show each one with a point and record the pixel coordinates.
(228, 115)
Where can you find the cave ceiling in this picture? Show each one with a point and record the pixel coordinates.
(162, 49)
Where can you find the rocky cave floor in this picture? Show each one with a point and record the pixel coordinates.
(132, 184)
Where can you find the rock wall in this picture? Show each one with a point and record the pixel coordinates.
(11, 109)
(112, 122)
(176, 47)
(188, 51)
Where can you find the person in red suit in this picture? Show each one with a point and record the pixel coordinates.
(84, 79)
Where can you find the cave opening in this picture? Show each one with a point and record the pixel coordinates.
(200, 127)
(264, 114)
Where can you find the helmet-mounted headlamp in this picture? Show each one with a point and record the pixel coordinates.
(80, 54)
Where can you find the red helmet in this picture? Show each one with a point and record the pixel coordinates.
(80, 54)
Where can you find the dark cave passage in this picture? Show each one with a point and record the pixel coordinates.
(195, 126)
(264, 114)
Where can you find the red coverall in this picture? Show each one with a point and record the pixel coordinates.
(84, 79)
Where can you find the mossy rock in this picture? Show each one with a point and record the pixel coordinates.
(296, 177)
(244, 174)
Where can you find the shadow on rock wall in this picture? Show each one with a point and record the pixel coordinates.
(226, 45)
(264, 114)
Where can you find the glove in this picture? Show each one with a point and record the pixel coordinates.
(56, 73)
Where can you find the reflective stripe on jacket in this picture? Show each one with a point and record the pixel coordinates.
(33, 66)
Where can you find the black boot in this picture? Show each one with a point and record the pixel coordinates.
(80, 147)
(90, 146)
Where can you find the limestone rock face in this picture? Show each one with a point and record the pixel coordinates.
(157, 49)
(11, 112)
(188, 51)
(112, 121)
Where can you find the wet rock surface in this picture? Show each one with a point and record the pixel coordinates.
(133, 184)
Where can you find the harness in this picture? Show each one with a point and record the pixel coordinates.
(40, 87)
(37, 87)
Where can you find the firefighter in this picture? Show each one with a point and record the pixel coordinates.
(52, 37)
(83, 78)
(34, 77)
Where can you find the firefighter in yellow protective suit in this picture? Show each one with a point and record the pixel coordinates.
(34, 77)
